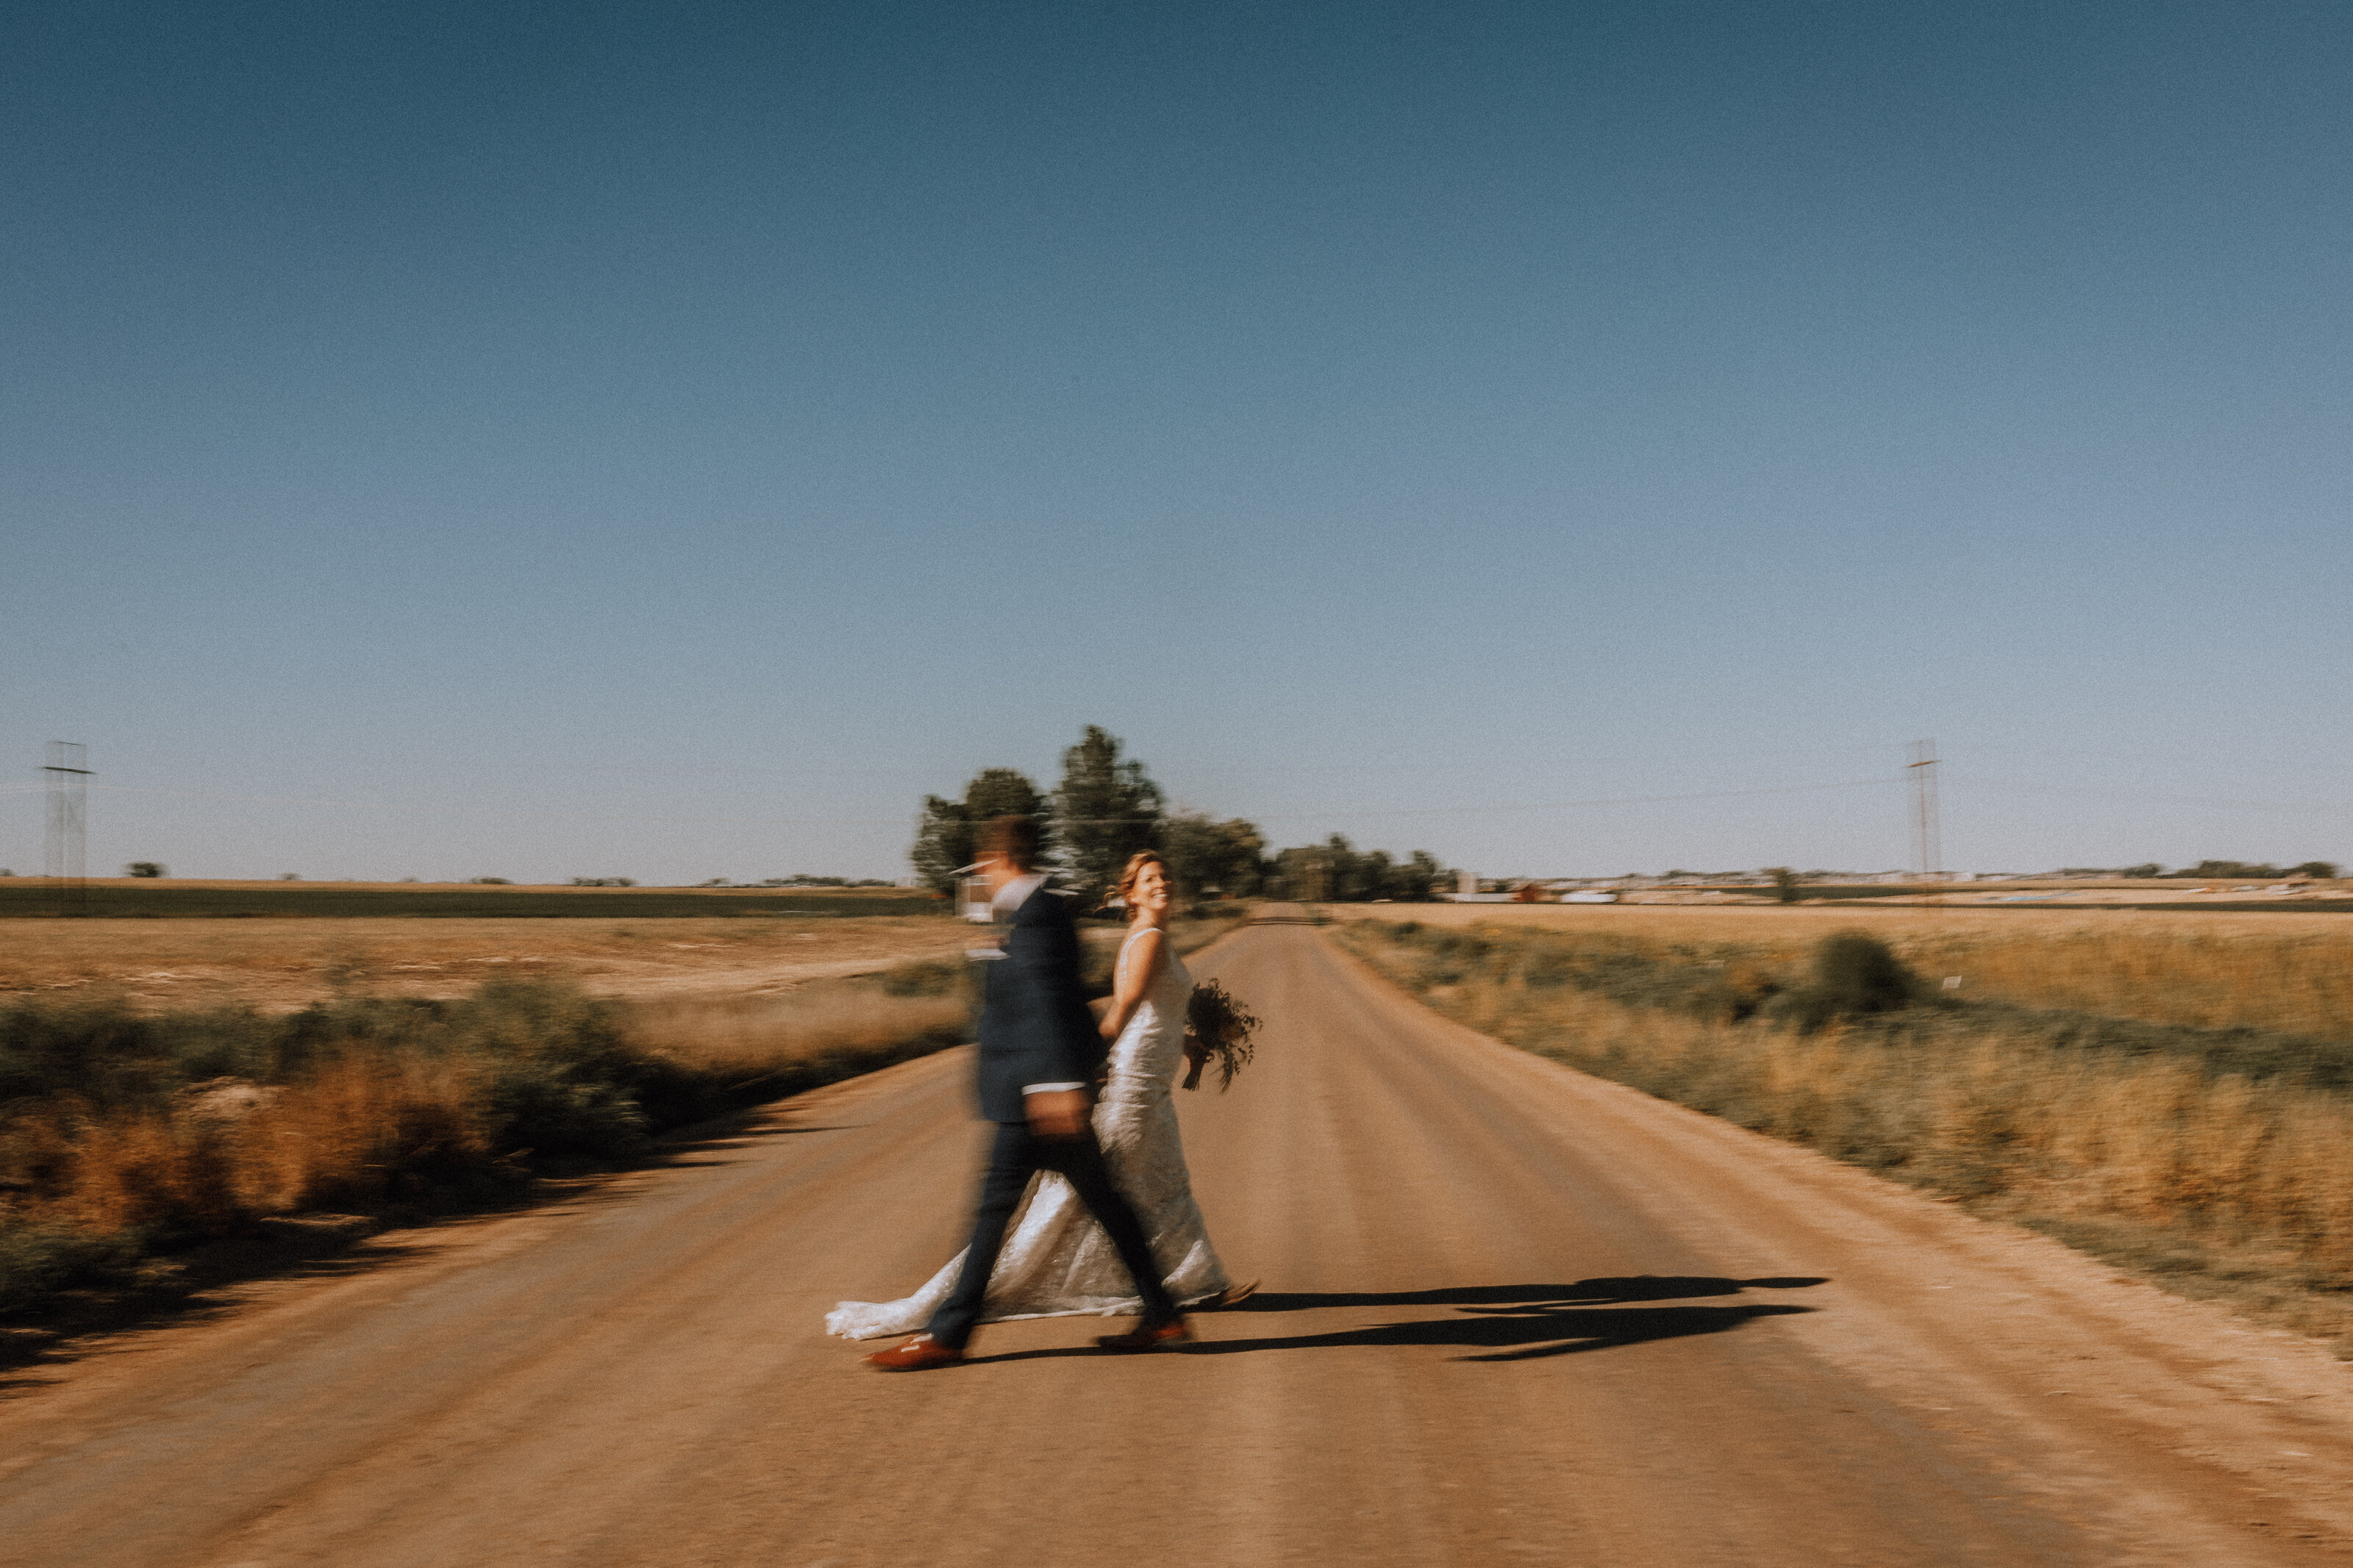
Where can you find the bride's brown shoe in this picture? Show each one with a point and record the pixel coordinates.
(1148, 1336)
(1233, 1296)
(917, 1354)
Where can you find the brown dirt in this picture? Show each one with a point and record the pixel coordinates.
(278, 964)
(1510, 1314)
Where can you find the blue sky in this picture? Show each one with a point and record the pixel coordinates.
(667, 441)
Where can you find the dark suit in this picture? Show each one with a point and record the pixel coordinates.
(1036, 1027)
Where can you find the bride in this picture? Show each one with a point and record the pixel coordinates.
(1057, 1261)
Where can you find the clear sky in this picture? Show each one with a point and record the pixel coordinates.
(667, 440)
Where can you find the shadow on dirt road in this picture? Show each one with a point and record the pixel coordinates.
(1509, 1322)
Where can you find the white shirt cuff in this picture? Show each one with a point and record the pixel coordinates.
(1049, 1088)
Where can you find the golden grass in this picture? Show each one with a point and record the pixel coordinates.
(393, 1120)
(341, 1136)
(330, 1135)
(280, 885)
(2289, 973)
(758, 1036)
(758, 1033)
(403, 1109)
(2298, 983)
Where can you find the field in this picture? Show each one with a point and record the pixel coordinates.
(135, 897)
(283, 963)
(262, 1071)
(131, 1141)
(2290, 971)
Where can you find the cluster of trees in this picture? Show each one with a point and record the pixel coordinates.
(1335, 871)
(2216, 870)
(798, 879)
(2325, 870)
(1107, 807)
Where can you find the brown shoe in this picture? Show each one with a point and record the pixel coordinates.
(1148, 1336)
(1232, 1295)
(917, 1354)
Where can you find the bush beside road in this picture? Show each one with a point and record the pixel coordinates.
(129, 1137)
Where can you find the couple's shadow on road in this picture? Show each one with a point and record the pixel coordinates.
(1507, 1323)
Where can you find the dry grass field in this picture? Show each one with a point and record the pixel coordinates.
(124, 1136)
(168, 1085)
(283, 964)
(2287, 972)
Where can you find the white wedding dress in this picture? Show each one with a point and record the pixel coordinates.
(1057, 1261)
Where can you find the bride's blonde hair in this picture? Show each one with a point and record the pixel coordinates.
(1133, 871)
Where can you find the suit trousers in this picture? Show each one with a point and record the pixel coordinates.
(1015, 1155)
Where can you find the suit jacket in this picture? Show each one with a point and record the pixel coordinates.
(1035, 1025)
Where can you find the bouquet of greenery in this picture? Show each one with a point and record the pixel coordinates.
(1215, 1026)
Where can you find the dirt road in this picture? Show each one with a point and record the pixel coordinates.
(1510, 1315)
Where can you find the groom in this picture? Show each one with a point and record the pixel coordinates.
(1040, 1053)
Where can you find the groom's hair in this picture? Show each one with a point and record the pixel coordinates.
(1014, 837)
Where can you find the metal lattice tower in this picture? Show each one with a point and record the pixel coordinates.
(1927, 855)
(66, 852)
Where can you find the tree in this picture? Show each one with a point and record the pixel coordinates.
(1785, 883)
(2229, 868)
(2325, 871)
(143, 868)
(1335, 871)
(1344, 870)
(944, 842)
(1419, 877)
(1105, 811)
(1305, 873)
(1207, 857)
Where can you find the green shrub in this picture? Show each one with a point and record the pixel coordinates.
(542, 1107)
(1855, 975)
(121, 1133)
(37, 1260)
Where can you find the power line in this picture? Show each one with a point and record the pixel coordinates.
(64, 855)
(1927, 852)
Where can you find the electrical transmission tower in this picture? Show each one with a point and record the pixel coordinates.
(1927, 855)
(66, 851)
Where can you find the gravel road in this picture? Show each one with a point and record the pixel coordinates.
(1510, 1314)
